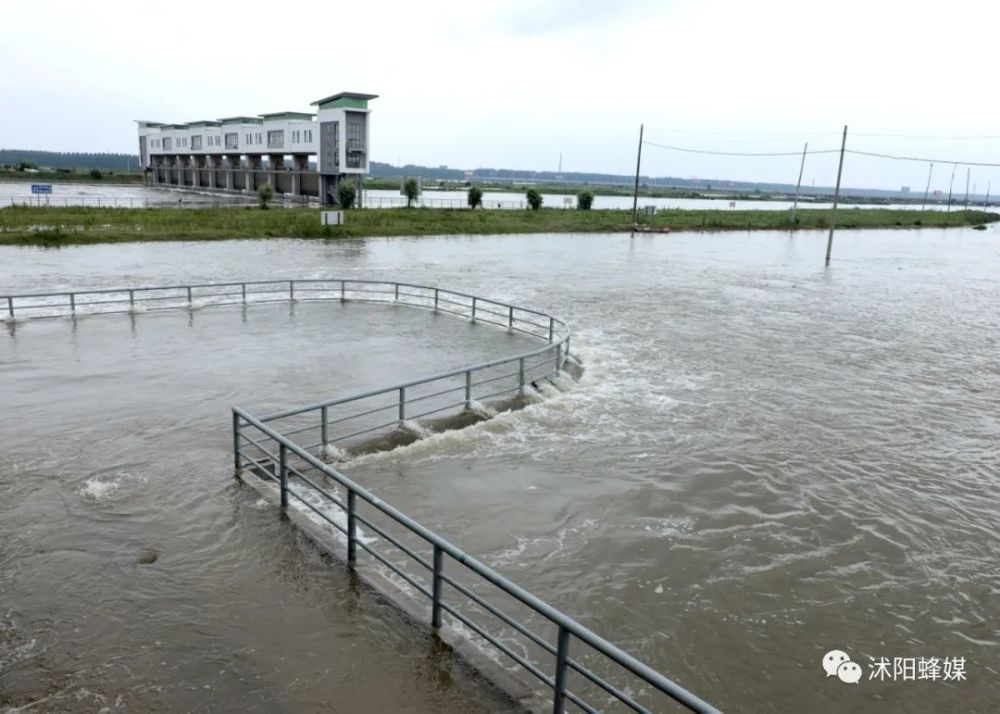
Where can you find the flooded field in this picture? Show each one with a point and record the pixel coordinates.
(138, 196)
(765, 460)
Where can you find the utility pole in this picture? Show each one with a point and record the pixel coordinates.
(836, 197)
(927, 190)
(968, 173)
(950, 184)
(635, 196)
(799, 182)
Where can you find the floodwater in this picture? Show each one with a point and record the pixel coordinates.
(380, 198)
(137, 196)
(764, 460)
(99, 194)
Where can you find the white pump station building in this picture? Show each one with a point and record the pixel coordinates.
(298, 153)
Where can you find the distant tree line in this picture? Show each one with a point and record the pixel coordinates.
(63, 160)
(746, 189)
(69, 160)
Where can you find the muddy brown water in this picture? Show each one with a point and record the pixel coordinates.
(764, 460)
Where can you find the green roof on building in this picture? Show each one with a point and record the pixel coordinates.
(288, 115)
(241, 120)
(355, 100)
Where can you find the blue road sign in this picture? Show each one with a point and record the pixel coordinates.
(41, 188)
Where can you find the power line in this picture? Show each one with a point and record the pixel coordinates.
(737, 153)
(982, 137)
(857, 152)
(916, 158)
(780, 134)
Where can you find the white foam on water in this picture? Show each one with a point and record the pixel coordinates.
(563, 380)
(331, 454)
(17, 645)
(328, 509)
(416, 428)
(196, 304)
(104, 486)
(545, 407)
(548, 546)
(532, 394)
(548, 391)
(482, 410)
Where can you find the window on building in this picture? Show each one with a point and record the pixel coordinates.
(355, 141)
(275, 139)
(232, 140)
(196, 143)
(166, 143)
(258, 137)
(336, 144)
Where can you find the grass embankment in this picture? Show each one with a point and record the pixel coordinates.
(72, 225)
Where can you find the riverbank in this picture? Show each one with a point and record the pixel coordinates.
(76, 225)
(109, 178)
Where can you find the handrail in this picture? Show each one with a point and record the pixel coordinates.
(598, 643)
(556, 339)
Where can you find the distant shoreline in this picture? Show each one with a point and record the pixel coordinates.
(75, 225)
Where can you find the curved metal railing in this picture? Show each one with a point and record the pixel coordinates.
(302, 472)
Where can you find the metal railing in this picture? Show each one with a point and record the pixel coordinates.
(298, 473)
(302, 473)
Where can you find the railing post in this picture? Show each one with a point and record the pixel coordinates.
(402, 404)
(291, 289)
(397, 292)
(72, 304)
(131, 298)
(468, 389)
(562, 653)
(283, 474)
(237, 461)
(436, 588)
(189, 295)
(10, 305)
(352, 527)
(323, 425)
(243, 290)
(520, 376)
(510, 318)
(558, 357)
(552, 327)
(435, 299)
(341, 291)
(473, 309)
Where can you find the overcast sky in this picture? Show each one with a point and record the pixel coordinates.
(512, 84)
